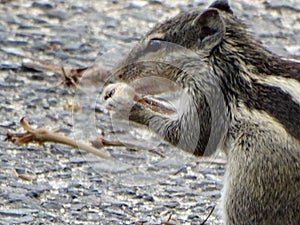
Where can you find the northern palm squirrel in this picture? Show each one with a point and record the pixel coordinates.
(239, 96)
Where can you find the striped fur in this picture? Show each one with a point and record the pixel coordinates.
(241, 96)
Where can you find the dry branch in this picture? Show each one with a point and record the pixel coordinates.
(211, 211)
(24, 176)
(171, 223)
(101, 141)
(42, 135)
(71, 75)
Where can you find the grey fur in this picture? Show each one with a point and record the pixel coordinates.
(229, 97)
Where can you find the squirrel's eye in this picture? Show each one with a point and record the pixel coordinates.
(154, 44)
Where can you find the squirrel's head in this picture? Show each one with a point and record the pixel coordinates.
(194, 30)
(198, 32)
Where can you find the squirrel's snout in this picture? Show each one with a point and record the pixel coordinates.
(109, 93)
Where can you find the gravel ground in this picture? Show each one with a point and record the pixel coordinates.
(71, 186)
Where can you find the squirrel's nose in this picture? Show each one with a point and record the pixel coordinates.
(109, 93)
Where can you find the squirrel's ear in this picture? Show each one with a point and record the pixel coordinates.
(210, 28)
(222, 5)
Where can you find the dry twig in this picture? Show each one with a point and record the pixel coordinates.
(204, 221)
(155, 105)
(170, 217)
(162, 223)
(42, 135)
(24, 176)
(101, 141)
(157, 153)
(71, 75)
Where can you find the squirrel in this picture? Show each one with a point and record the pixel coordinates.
(236, 90)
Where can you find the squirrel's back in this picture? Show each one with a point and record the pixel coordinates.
(261, 108)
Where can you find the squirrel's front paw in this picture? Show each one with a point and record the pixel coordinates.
(119, 98)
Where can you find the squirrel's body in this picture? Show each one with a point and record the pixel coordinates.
(260, 106)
